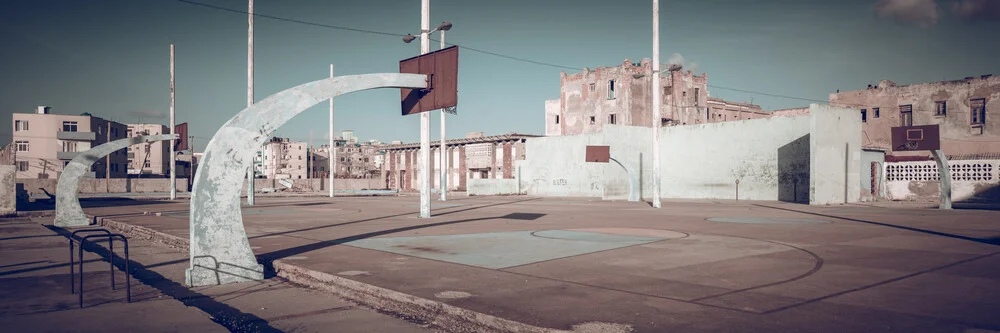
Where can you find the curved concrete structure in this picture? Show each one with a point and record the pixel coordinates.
(220, 252)
(68, 210)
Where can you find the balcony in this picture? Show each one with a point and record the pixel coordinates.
(76, 136)
(66, 155)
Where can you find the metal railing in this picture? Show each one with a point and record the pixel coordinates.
(107, 235)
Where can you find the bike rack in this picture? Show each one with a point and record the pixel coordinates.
(110, 237)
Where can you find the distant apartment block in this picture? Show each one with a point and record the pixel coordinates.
(46, 142)
(621, 95)
(150, 159)
(282, 158)
(474, 157)
(353, 159)
(967, 111)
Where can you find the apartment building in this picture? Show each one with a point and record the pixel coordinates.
(46, 142)
(967, 112)
(622, 95)
(151, 159)
(282, 158)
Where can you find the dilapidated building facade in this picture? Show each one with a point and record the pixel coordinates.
(622, 95)
(473, 157)
(967, 111)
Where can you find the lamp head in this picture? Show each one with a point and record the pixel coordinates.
(408, 38)
(444, 26)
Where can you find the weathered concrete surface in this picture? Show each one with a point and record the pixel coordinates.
(867, 269)
(958, 136)
(971, 180)
(68, 210)
(36, 297)
(835, 155)
(8, 190)
(220, 252)
(492, 186)
(945, 177)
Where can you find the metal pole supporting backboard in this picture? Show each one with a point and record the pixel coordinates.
(656, 104)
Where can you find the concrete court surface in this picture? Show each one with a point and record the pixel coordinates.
(35, 294)
(692, 266)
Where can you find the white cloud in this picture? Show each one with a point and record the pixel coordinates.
(977, 9)
(678, 59)
(920, 12)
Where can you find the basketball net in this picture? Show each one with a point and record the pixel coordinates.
(911, 145)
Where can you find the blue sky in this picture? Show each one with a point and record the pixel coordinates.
(110, 57)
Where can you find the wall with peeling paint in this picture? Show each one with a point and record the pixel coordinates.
(492, 187)
(769, 156)
(835, 159)
(971, 180)
(958, 135)
(8, 190)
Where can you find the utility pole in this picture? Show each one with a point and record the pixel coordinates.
(443, 149)
(173, 154)
(656, 104)
(250, 172)
(107, 164)
(309, 157)
(425, 119)
(332, 154)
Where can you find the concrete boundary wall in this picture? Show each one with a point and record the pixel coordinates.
(8, 190)
(769, 157)
(835, 159)
(318, 185)
(971, 180)
(33, 187)
(492, 187)
(812, 158)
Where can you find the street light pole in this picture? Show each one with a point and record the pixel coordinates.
(250, 172)
(444, 147)
(425, 119)
(656, 104)
(331, 155)
(173, 153)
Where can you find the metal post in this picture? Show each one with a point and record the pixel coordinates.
(333, 151)
(443, 149)
(425, 119)
(250, 172)
(107, 164)
(308, 159)
(656, 104)
(173, 156)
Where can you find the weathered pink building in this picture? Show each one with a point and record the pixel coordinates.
(967, 111)
(622, 95)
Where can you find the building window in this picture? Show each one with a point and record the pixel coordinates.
(69, 126)
(978, 107)
(557, 119)
(875, 113)
(146, 165)
(696, 92)
(611, 89)
(940, 108)
(864, 115)
(593, 120)
(20, 125)
(22, 165)
(22, 145)
(593, 86)
(611, 119)
(906, 115)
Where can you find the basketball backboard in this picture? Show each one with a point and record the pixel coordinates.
(915, 138)
(599, 154)
(441, 67)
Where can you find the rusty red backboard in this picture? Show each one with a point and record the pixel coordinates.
(915, 138)
(599, 154)
(441, 67)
